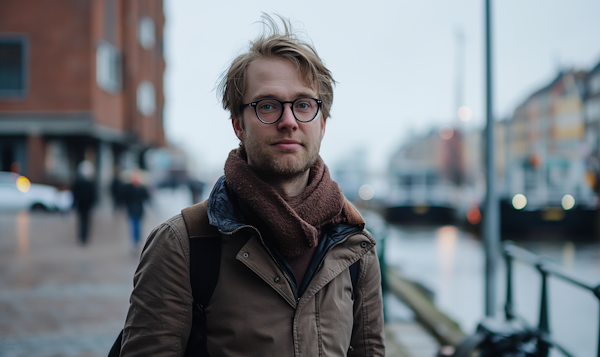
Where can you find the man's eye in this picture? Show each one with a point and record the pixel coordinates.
(268, 105)
(303, 105)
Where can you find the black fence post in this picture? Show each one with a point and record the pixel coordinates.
(383, 268)
(508, 306)
(597, 293)
(544, 325)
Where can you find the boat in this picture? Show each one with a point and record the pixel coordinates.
(419, 195)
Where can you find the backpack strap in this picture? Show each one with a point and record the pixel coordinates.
(205, 261)
(205, 252)
(115, 350)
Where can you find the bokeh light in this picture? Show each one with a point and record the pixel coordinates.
(366, 192)
(446, 132)
(567, 202)
(474, 215)
(519, 201)
(465, 113)
(23, 184)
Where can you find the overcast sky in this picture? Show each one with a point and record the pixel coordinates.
(395, 61)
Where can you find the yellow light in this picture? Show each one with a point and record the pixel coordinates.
(567, 202)
(465, 113)
(420, 208)
(366, 192)
(23, 184)
(519, 201)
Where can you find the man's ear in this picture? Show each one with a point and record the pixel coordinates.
(238, 128)
(323, 127)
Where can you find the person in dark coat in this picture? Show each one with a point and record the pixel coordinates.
(135, 195)
(196, 188)
(84, 198)
(116, 190)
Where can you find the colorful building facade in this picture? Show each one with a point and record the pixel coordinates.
(547, 135)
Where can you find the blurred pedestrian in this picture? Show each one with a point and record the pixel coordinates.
(117, 187)
(84, 198)
(135, 195)
(196, 188)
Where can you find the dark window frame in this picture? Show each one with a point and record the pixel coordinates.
(23, 40)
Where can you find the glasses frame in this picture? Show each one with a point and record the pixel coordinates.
(255, 103)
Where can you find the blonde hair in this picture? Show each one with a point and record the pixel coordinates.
(276, 44)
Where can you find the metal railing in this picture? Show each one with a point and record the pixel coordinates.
(546, 269)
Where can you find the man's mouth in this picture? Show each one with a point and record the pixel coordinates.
(287, 144)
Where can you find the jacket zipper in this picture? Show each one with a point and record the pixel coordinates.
(289, 280)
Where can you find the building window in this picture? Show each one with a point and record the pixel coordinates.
(108, 67)
(12, 67)
(146, 98)
(146, 32)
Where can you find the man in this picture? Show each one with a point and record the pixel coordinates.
(84, 198)
(135, 195)
(116, 190)
(288, 235)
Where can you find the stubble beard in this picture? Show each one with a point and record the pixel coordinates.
(275, 164)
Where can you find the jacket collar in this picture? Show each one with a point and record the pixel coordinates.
(228, 218)
(222, 213)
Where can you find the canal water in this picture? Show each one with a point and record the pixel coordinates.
(450, 262)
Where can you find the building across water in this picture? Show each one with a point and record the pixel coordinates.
(547, 165)
(549, 180)
(79, 80)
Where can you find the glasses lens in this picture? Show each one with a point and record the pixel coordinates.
(305, 109)
(268, 110)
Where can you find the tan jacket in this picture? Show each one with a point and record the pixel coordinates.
(254, 310)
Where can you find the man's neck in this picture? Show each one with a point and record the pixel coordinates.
(288, 187)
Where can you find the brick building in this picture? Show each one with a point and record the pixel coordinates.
(79, 79)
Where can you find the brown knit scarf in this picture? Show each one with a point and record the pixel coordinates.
(293, 226)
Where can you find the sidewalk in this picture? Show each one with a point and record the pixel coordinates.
(58, 298)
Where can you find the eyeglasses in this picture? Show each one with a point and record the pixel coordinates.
(270, 110)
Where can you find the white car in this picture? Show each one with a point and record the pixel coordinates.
(17, 193)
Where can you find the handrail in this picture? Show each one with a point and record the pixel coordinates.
(546, 268)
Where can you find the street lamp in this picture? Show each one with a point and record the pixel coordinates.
(491, 227)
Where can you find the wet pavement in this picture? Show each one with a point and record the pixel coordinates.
(59, 298)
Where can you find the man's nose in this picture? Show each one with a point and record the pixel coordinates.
(287, 121)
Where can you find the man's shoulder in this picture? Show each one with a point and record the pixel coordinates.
(196, 221)
(191, 222)
(172, 226)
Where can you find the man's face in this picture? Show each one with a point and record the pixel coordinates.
(286, 148)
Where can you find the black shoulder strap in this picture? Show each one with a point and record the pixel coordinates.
(205, 261)
(115, 351)
(205, 253)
